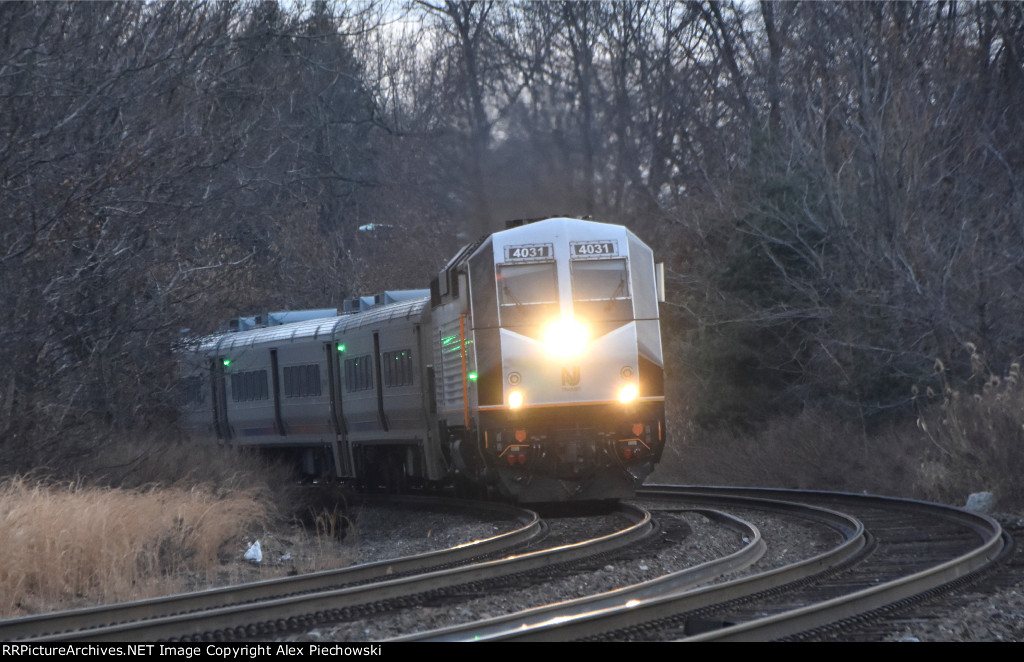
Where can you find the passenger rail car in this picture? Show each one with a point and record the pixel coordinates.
(533, 369)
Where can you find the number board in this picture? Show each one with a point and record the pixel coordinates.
(528, 252)
(584, 249)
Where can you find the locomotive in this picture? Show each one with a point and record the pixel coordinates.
(531, 368)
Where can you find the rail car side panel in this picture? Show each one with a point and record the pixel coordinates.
(303, 393)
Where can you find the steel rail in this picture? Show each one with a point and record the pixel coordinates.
(530, 528)
(261, 618)
(992, 543)
(672, 583)
(574, 625)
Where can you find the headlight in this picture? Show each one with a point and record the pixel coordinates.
(566, 337)
(627, 394)
(515, 399)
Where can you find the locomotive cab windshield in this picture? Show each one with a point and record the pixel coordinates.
(528, 293)
(531, 293)
(600, 289)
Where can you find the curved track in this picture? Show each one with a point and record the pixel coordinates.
(536, 620)
(916, 549)
(892, 551)
(637, 605)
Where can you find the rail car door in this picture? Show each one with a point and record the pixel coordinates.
(220, 399)
(343, 465)
(400, 378)
(382, 418)
(359, 411)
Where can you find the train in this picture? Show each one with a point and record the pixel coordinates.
(531, 369)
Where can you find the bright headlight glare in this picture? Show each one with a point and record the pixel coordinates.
(566, 337)
(515, 399)
(627, 394)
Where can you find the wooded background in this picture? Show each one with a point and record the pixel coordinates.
(837, 188)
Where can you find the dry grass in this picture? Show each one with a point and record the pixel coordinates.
(975, 437)
(154, 515)
(70, 545)
(811, 451)
(962, 441)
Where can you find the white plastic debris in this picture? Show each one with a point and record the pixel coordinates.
(254, 553)
(981, 502)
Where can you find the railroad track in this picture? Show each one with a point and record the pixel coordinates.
(891, 552)
(915, 550)
(883, 554)
(630, 606)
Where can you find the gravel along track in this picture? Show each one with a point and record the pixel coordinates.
(473, 603)
(910, 538)
(990, 608)
(684, 539)
(377, 531)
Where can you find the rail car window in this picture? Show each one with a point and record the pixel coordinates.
(302, 381)
(249, 386)
(397, 368)
(359, 373)
(527, 292)
(600, 289)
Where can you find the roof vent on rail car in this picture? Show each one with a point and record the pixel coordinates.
(359, 304)
(278, 318)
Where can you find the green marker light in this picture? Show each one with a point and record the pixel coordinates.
(341, 348)
(472, 376)
(226, 362)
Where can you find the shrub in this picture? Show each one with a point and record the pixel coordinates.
(975, 435)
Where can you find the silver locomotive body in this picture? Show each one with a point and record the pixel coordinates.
(549, 363)
(534, 369)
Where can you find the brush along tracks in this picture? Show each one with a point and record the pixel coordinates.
(182, 615)
(888, 552)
